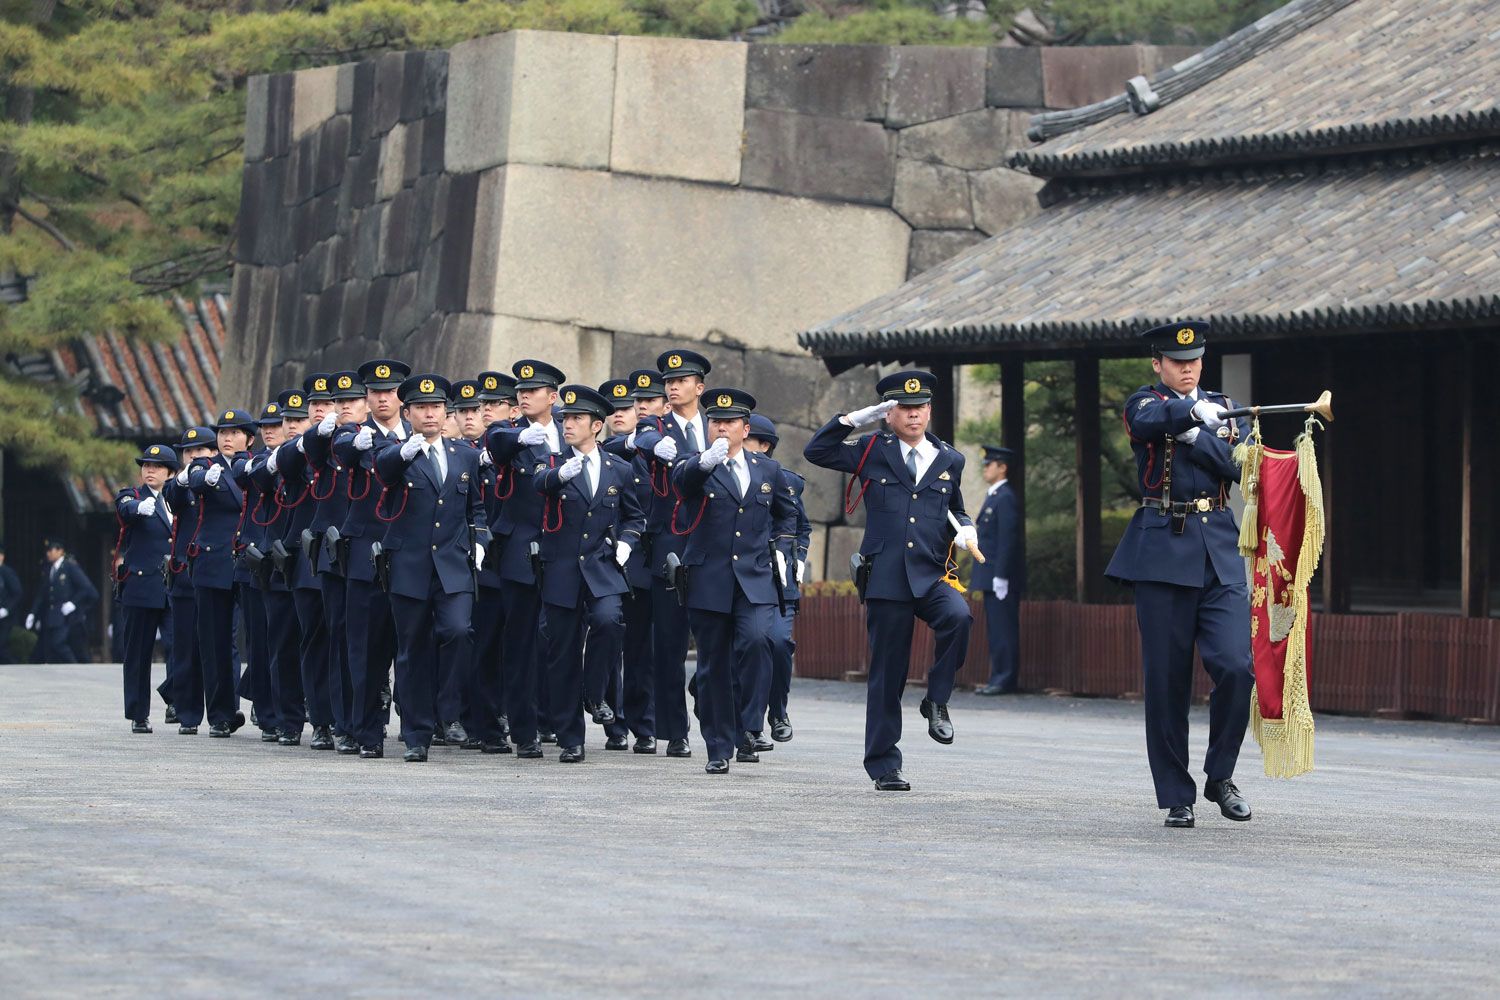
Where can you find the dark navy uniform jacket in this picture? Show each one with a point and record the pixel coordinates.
(143, 547)
(329, 494)
(642, 469)
(431, 537)
(213, 540)
(184, 503)
(493, 489)
(521, 517)
(362, 487)
(581, 552)
(1000, 530)
(907, 533)
(730, 543)
(795, 485)
(69, 583)
(1203, 470)
(265, 508)
(658, 522)
(296, 487)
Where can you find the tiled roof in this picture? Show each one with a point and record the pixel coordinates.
(1339, 250)
(1317, 77)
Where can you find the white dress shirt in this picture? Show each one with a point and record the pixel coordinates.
(700, 427)
(439, 456)
(397, 431)
(993, 487)
(554, 445)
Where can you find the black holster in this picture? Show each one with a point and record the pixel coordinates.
(677, 577)
(534, 554)
(859, 568)
(338, 550)
(279, 558)
(311, 540)
(382, 563)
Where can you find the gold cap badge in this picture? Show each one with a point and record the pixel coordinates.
(492, 382)
(427, 385)
(321, 384)
(345, 381)
(270, 407)
(294, 400)
(1185, 336)
(467, 392)
(527, 371)
(913, 385)
(724, 399)
(382, 371)
(643, 381)
(619, 390)
(570, 397)
(192, 435)
(155, 450)
(675, 361)
(228, 414)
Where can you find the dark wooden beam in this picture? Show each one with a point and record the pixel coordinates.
(1477, 479)
(1337, 483)
(1013, 430)
(1090, 570)
(944, 422)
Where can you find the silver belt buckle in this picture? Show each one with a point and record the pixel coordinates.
(1203, 504)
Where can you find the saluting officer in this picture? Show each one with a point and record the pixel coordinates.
(63, 601)
(590, 523)
(911, 481)
(1001, 526)
(763, 440)
(221, 503)
(1181, 556)
(145, 539)
(250, 576)
(184, 683)
(371, 648)
(431, 557)
(520, 453)
(742, 512)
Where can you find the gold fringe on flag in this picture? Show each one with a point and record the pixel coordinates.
(1248, 454)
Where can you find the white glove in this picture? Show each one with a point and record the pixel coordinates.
(666, 449)
(410, 447)
(271, 460)
(182, 477)
(716, 453)
(533, 434)
(30, 622)
(301, 448)
(213, 475)
(966, 536)
(622, 553)
(570, 468)
(364, 440)
(484, 457)
(801, 570)
(146, 507)
(325, 429)
(1208, 414)
(1001, 586)
(630, 441)
(870, 414)
(4, 613)
(781, 568)
(478, 555)
(1188, 436)
(68, 607)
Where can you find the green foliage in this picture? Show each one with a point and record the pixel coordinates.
(894, 25)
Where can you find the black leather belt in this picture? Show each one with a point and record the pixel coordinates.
(1202, 505)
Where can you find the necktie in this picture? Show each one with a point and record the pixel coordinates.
(437, 462)
(588, 476)
(691, 433)
(734, 475)
(911, 463)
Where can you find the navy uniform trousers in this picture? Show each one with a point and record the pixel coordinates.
(593, 630)
(140, 642)
(1170, 617)
(285, 639)
(429, 633)
(308, 600)
(340, 679)
(486, 701)
(185, 668)
(890, 625)
(637, 697)
(256, 684)
(371, 635)
(214, 637)
(669, 646)
(522, 607)
(1003, 630)
(783, 651)
(734, 667)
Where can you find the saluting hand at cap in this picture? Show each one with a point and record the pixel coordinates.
(870, 414)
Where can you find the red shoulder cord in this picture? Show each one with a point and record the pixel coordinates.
(500, 473)
(850, 506)
(120, 572)
(281, 495)
(259, 500)
(175, 564)
(547, 503)
(349, 484)
(1150, 451)
(239, 526)
(332, 488)
(192, 547)
(380, 502)
(658, 466)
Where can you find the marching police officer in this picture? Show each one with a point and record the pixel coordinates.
(911, 484)
(1000, 525)
(591, 521)
(184, 683)
(631, 685)
(742, 512)
(763, 440)
(10, 603)
(434, 545)
(250, 576)
(1180, 554)
(63, 602)
(145, 539)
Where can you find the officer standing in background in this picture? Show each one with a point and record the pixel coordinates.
(370, 630)
(1181, 556)
(184, 684)
(432, 561)
(736, 562)
(911, 483)
(763, 439)
(1001, 526)
(590, 524)
(145, 539)
(10, 604)
(63, 602)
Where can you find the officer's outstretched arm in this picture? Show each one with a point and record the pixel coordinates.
(550, 482)
(504, 443)
(477, 515)
(689, 478)
(1148, 416)
(828, 450)
(632, 517)
(390, 466)
(126, 504)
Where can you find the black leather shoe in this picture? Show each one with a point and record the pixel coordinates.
(270, 735)
(570, 755)
(781, 729)
(440, 736)
(187, 730)
(457, 736)
(322, 738)
(289, 738)
(679, 748)
(140, 726)
(601, 713)
(1231, 803)
(990, 690)
(762, 744)
(415, 755)
(504, 726)
(530, 751)
(237, 722)
(501, 747)
(617, 743)
(1180, 817)
(473, 743)
(645, 744)
(220, 731)
(745, 753)
(372, 753)
(346, 745)
(171, 717)
(716, 767)
(891, 781)
(254, 720)
(543, 736)
(939, 726)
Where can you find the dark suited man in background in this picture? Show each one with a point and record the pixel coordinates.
(140, 591)
(63, 602)
(1001, 526)
(10, 604)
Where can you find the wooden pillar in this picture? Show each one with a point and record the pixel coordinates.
(1013, 431)
(1477, 478)
(1334, 568)
(1086, 437)
(944, 401)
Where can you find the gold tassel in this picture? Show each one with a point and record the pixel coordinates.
(950, 574)
(1247, 454)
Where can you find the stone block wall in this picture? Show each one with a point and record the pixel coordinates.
(594, 200)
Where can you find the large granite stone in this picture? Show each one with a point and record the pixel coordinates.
(458, 242)
(842, 81)
(314, 99)
(362, 114)
(755, 267)
(343, 99)
(279, 115)
(585, 355)
(1076, 75)
(434, 129)
(302, 170)
(392, 163)
(352, 318)
(367, 232)
(333, 153)
(1003, 197)
(932, 196)
(390, 78)
(530, 97)
(257, 97)
(1013, 78)
(363, 176)
(931, 82)
(930, 247)
(818, 157)
(411, 169)
(843, 542)
(976, 140)
(679, 108)
(375, 308)
(415, 96)
(780, 384)
(485, 253)
(402, 237)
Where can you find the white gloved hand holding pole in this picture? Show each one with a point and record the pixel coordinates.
(1208, 414)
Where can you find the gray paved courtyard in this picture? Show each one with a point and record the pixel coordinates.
(1029, 858)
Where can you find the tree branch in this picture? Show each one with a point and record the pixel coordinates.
(42, 224)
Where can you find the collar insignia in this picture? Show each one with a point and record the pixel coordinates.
(765, 487)
(944, 475)
(612, 490)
